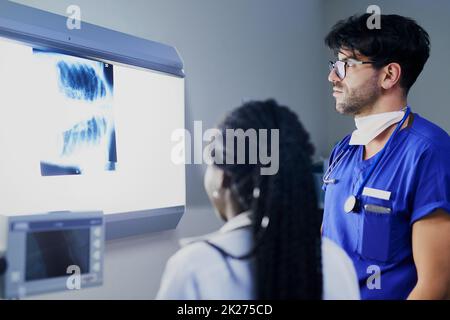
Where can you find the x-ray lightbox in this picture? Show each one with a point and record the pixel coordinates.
(86, 118)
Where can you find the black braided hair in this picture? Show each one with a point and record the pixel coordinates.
(288, 255)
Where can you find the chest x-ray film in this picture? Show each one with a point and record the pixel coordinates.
(79, 94)
(77, 134)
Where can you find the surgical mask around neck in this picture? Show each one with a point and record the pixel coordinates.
(370, 127)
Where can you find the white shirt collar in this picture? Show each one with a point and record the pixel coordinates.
(241, 220)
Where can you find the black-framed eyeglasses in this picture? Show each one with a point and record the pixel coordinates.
(340, 67)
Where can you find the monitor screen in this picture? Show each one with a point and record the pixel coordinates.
(78, 133)
(49, 254)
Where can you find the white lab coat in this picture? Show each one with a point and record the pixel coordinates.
(198, 271)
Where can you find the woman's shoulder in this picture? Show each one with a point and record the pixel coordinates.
(197, 250)
(330, 249)
(339, 275)
(182, 271)
(200, 271)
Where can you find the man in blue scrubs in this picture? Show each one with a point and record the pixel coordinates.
(387, 199)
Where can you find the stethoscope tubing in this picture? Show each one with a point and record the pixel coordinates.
(345, 152)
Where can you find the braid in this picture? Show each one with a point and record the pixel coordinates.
(288, 256)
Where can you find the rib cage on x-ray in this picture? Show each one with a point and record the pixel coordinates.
(80, 81)
(86, 144)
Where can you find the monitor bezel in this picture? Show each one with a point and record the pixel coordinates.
(18, 230)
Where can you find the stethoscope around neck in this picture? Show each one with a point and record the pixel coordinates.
(352, 204)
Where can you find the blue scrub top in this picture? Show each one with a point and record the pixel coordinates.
(416, 170)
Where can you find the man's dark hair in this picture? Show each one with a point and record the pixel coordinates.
(400, 40)
(288, 256)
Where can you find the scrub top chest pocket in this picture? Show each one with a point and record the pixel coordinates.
(377, 219)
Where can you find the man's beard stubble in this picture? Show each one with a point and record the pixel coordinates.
(356, 101)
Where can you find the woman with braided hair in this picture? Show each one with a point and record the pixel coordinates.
(270, 246)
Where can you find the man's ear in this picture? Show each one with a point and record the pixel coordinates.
(391, 75)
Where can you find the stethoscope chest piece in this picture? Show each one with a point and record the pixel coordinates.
(351, 205)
